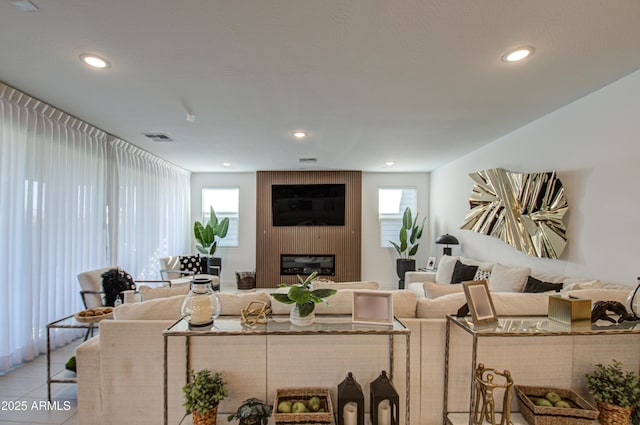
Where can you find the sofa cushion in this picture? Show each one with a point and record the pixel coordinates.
(598, 294)
(232, 304)
(156, 309)
(535, 285)
(482, 274)
(445, 269)
(417, 288)
(463, 272)
(435, 290)
(508, 279)
(505, 303)
(324, 284)
(193, 263)
(148, 293)
(571, 284)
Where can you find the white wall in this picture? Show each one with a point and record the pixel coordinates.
(593, 145)
(242, 257)
(379, 264)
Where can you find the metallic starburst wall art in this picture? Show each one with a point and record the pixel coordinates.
(526, 210)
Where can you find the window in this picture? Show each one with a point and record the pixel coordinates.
(391, 205)
(225, 203)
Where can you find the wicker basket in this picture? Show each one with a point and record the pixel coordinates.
(208, 418)
(303, 394)
(246, 280)
(580, 412)
(610, 414)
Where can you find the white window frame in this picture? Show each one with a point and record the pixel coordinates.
(233, 235)
(390, 222)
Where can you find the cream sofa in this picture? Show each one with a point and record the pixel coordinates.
(120, 371)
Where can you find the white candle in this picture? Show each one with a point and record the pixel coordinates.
(384, 413)
(350, 413)
(200, 309)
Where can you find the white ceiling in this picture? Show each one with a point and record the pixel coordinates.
(418, 82)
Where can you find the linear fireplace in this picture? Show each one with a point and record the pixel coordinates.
(304, 264)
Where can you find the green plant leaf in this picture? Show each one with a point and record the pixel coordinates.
(198, 231)
(213, 218)
(413, 250)
(306, 308)
(283, 298)
(223, 227)
(323, 293)
(299, 294)
(396, 246)
(406, 218)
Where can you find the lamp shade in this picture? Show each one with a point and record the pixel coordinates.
(447, 239)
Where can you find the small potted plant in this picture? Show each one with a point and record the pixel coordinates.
(410, 232)
(202, 394)
(304, 298)
(616, 392)
(207, 236)
(252, 412)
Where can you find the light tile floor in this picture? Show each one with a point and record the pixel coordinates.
(23, 392)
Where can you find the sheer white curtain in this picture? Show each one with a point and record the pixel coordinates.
(72, 199)
(52, 219)
(149, 210)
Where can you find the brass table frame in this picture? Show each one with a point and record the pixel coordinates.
(345, 327)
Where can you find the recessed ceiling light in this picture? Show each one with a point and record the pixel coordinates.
(518, 54)
(300, 134)
(389, 163)
(226, 164)
(94, 61)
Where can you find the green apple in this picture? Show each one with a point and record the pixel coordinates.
(284, 407)
(553, 397)
(543, 402)
(298, 407)
(562, 403)
(314, 403)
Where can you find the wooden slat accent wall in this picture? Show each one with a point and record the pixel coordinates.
(342, 241)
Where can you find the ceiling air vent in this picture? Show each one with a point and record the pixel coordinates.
(158, 137)
(308, 160)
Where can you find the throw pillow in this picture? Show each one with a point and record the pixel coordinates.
(365, 284)
(482, 274)
(159, 309)
(435, 290)
(508, 279)
(445, 269)
(148, 293)
(463, 272)
(536, 285)
(193, 263)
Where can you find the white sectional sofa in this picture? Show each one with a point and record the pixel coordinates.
(120, 371)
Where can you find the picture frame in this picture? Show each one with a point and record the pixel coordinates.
(431, 263)
(480, 302)
(372, 307)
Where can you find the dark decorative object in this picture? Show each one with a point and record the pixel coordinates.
(404, 265)
(350, 392)
(484, 406)
(115, 281)
(384, 401)
(252, 412)
(193, 263)
(536, 286)
(600, 309)
(447, 240)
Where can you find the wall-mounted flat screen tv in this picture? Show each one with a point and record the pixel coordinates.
(308, 204)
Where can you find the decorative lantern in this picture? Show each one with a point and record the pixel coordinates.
(201, 305)
(350, 402)
(384, 401)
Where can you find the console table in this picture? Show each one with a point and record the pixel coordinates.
(525, 327)
(280, 325)
(68, 322)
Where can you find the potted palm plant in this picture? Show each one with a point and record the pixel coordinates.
(305, 299)
(207, 236)
(252, 412)
(617, 392)
(408, 244)
(202, 394)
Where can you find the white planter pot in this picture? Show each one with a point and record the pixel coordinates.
(296, 320)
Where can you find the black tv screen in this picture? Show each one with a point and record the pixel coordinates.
(308, 204)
